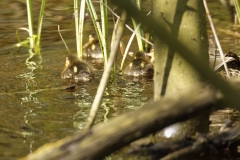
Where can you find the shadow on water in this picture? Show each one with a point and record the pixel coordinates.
(34, 107)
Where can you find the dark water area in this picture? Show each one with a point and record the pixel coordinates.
(34, 109)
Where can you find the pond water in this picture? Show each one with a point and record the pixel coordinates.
(34, 109)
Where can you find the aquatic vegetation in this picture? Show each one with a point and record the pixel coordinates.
(34, 40)
(79, 21)
(101, 30)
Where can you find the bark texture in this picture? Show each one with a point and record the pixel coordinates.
(184, 19)
(103, 139)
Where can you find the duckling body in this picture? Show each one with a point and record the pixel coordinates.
(235, 63)
(92, 49)
(76, 70)
(139, 67)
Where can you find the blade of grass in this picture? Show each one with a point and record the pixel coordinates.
(77, 27)
(128, 45)
(63, 39)
(40, 20)
(139, 31)
(104, 19)
(30, 22)
(236, 4)
(81, 23)
(96, 24)
(138, 36)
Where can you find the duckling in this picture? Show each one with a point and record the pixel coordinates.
(77, 70)
(92, 49)
(235, 63)
(139, 67)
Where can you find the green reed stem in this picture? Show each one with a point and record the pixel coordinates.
(96, 24)
(40, 20)
(76, 28)
(104, 20)
(236, 4)
(128, 45)
(81, 23)
(30, 22)
(139, 33)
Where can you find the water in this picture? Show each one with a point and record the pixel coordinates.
(35, 110)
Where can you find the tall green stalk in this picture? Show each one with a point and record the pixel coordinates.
(40, 20)
(77, 28)
(95, 20)
(104, 20)
(80, 29)
(128, 46)
(96, 25)
(236, 4)
(139, 31)
(30, 22)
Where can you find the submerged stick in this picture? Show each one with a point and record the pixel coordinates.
(107, 72)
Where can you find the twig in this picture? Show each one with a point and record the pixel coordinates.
(107, 72)
(216, 38)
(63, 39)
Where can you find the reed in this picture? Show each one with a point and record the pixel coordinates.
(76, 27)
(33, 39)
(101, 31)
(39, 30)
(236, 4)
(30, 23)
(80, 29)
(128, 46)
(139, 32)
(104, 20)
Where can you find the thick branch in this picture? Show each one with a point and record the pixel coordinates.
(104, 139)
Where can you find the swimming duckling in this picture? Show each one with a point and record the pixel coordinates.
(77, 70)
(235, 63)
(92, 49)
(139, 67)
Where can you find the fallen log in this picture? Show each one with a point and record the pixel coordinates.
(226, 140)
(104, 139)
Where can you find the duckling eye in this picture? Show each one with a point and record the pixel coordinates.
(75, 70)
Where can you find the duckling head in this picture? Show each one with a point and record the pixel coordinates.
(70, 59)
(140, 54)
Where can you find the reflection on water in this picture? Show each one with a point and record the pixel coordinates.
(42, 111)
